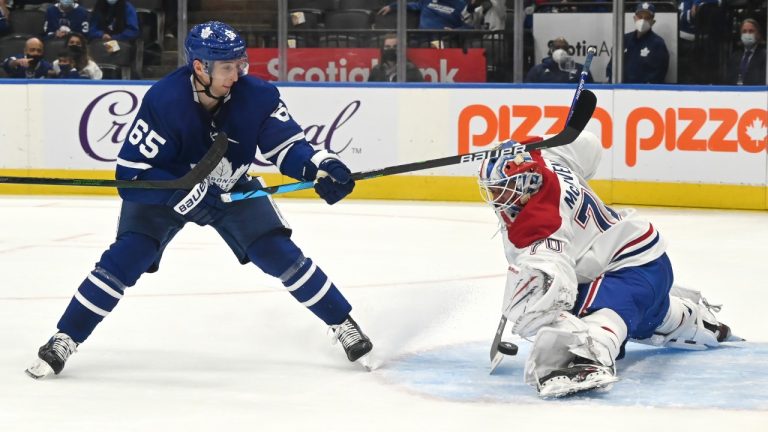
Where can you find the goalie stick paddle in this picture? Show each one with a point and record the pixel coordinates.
(188, 181)
(580, 115)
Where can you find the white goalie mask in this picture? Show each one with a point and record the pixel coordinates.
(509, 181)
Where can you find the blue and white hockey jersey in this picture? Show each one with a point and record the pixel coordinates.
(172, 131)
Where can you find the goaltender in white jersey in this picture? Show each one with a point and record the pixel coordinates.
(584, 278)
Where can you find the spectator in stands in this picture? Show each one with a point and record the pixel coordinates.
(30, 64)
(646, 58)
(114, 20)
(488, 14)
(686, 73)
(4, 16)
(437, 14)
(558, 67)
(171, 10)
(63, 18)
(78, 47)
(747, 65)
(386, 70)
(64, 66)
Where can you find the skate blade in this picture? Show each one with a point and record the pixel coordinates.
(39, 370)
(366, 362)
(557, 390)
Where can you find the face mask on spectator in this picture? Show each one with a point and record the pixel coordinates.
(111, 1)
(65, 68)
(560, 56)
(67, 4)
(388, 55)
(76, 50)
(642, 25)
(33, 59)
(748, 39)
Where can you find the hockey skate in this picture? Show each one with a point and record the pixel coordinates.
(356, 344)
(581, 375)
(52, 356)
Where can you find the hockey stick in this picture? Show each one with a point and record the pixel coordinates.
(582, 79)
(582, 112)
(188, 181)
(500, 348)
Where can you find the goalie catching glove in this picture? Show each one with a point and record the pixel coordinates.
(332, 178)
(534, 299)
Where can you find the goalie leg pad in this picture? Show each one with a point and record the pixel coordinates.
(575, 355)
(690, 324)
(277, 255)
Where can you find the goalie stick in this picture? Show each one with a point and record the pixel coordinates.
(188, 181)
(500, 348)
(582, 112)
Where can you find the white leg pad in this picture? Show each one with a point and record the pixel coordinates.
(596, 337)
(683, 326)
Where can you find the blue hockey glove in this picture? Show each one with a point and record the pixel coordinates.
(202, 205)
(333, 181)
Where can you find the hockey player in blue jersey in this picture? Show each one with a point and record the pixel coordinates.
(176, 124)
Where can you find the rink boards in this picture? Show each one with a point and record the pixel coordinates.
(663, 145)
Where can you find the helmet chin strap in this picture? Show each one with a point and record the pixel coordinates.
(207, 89)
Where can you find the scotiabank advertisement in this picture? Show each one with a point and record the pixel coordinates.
(451, 65)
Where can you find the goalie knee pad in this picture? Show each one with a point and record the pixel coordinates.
(277, 255)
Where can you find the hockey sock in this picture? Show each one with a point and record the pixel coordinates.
(120, 266)
(277, 255)
(312, 288)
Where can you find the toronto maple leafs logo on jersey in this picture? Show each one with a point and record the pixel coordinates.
(224, 176)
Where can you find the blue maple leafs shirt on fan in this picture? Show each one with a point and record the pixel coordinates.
(178, 120)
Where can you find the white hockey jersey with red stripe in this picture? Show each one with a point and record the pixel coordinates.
(565, 229)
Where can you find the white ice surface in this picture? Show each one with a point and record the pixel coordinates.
(206, 344)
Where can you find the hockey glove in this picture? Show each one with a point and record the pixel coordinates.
(333, 181)
(202, 205)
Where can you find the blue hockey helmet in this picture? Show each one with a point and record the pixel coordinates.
(214, 40)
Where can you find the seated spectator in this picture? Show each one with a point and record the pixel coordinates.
(386, 70)
(437, 14)
(488, 14)
(646, 58)
(747, 65)
(63, 18)
(30, 64)
(64, 66)
(114, 20)
(83, 63)
(559, 67)
(4, 16)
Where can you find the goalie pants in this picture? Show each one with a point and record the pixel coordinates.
(639, 295)
(253, 229)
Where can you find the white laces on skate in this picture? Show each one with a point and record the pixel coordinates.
(63, 346)
(347, 333)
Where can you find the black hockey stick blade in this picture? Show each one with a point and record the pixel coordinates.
(197, 174)
(581, 114)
